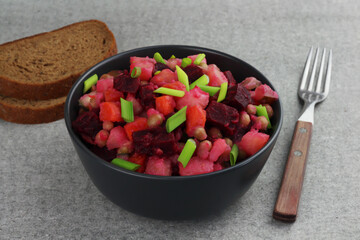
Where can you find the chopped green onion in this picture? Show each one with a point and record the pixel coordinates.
(234, 154)
(156, 73)
(261, 111)
(185, 62)
(209, 89)
(183, 78)
(91, 81)
(223, 91)
(136, 72)
(169, 91)
(203, 80)
(125, 164)
(158, 58)
(187, 152)
(172, 57)
(176, 120)
(199, 58)
(127, 112)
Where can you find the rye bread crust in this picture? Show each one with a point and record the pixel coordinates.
(51, 88)
(31, 112)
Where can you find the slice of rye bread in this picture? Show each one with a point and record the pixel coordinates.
(45, 66)
(31, 111)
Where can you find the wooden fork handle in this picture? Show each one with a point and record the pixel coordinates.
(289, 194)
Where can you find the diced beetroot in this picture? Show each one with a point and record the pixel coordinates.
(222, 116)
(195, 118)
(165, 104)
(146, 64)
(87, 124)
(112, 95)
(238, 97)
(146, 95)
(137, 108)
(103, 153)
(239, 133)
(219, 147)
(117, 138)
(193, 97)
(193, 72)
(231, 80)
(176, 85)
(172, 62)
(158, 166)
(193, 57)
(216, 77)
(160, 67)
(125, 83)
(253, 141)
(164, 77)
(154, 141)
(250, 83)
(139, 159)
(137, 125)
(110, 111)
(264, 94)
(196, 166)
(104, 84)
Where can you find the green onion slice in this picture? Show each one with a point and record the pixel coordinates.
(127, 112)
(169, 91)
(187, 152)
(158, 58)
(199, 58)
(125, 164)
(91, 81)
(234, 154)
(185, 62)
(203, 80)
(172, 56)
(156, 73)
(136, 72)
(223, 91)
(261, 111)
(183, 78)
(176, 120)
(209, 89)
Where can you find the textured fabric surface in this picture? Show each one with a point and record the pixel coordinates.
(45, 192)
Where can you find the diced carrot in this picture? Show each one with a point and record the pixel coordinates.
(139, 159)
(110, 111)
(177, 85)
(137, 125)
(113, 95)
(165, 104)
(195, 118)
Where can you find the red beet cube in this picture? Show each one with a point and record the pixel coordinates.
(222, 116)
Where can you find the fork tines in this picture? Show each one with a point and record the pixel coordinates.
(307, 85)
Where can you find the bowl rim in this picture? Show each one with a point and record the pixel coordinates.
(86, 74)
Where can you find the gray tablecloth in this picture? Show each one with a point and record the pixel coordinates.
(45, 192)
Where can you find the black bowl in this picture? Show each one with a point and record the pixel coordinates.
(175, 197)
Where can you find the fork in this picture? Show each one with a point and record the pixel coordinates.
(311, 93)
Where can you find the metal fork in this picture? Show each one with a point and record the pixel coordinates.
(311, 93)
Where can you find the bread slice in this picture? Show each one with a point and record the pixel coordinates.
(31, 111)
(45, 66)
